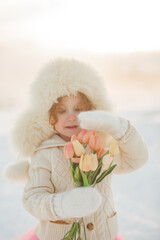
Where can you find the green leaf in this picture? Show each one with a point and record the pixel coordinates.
(78, 177)
(95, 173)
(69, 235)
(103, 155)
(71, 171)
(105, 173)
(90, 177)
(77, 174)
(79, 231)
(85, 180)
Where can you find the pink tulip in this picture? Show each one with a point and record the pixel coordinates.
(74, 137)
(101, 152)
(81, 135)
(87, 136)
(98, 143)
(68, 150)
(75, 160)
(92, 142)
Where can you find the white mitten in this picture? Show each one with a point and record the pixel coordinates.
(77, 203)
(103, 121)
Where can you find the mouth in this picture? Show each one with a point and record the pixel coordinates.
(72, 127)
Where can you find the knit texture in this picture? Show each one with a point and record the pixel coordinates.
(77, 203)
(49, 175)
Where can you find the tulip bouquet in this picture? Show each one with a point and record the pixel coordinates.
(90, 163)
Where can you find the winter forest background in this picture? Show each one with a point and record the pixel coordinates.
(121, 40)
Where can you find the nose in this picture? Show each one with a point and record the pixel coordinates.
(72, 117)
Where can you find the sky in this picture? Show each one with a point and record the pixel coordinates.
(99, 26)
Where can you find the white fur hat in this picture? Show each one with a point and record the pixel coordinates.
(58, 78)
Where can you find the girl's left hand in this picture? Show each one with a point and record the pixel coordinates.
(103, 121)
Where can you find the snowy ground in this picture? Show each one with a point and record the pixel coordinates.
(137, 195)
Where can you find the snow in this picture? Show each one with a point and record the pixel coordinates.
(136, 194)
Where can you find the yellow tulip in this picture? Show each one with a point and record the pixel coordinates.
(94, 162)
(113, 149)
(106, 161)
(88, 162)
(78, 148)
(85, 163)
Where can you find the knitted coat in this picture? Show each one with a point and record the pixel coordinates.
(49, 174)
(48, 171)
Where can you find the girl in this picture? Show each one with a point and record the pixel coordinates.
(68, 96)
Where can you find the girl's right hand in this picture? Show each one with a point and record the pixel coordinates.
(77, 203)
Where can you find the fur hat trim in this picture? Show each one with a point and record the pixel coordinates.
(17, 171)
(58, 78)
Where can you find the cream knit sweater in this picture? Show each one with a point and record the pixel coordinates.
(49, 174)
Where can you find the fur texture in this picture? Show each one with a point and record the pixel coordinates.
(16, 171)
(77, 203)
(58, 78)
(104, 121)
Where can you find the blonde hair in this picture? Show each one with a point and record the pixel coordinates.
(85, 103)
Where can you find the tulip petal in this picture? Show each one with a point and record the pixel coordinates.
(75, 160)
(113, 149)
(106, 162)
(92, 142)
(68, 150)
(94, 162)
(78, 148)
(87, 136)
(74, 137)
(81, 135)
(98, 143)
(85, 163)
(101, 152)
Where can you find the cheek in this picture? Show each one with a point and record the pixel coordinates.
(60, 122)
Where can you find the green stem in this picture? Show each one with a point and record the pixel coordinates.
(69, 234)
(84, 229)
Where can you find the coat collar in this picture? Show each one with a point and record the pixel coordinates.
(54, 141)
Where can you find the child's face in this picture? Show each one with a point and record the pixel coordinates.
(68, 110)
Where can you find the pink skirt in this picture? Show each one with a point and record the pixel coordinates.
(30, 235)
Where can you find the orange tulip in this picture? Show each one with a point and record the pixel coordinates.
(98, 143)
(68, 150)
(78, 148)
(81, 134)
(87, 136)
(92, 142)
